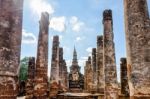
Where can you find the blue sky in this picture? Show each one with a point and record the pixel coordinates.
(77, 22)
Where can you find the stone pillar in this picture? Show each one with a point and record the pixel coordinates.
(123, 77)
(30, 79)
(41, 78)
(138, 46)
(85, 75)
(10, 45)
(94, 68)
(100, 67)
(61, 63)
(65, 75)
(54, 77)
(89, 75)
(55, 59)
(62, 70)
(111, 86)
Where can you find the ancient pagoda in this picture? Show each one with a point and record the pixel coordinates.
(76, 79)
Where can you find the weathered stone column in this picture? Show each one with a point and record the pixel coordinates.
(100, 67)
(138, 46)
(30, 79)
(55, 59)
(85, 75)
(94, 66)
(10, 45)
(60, 63)
(89, 75)
(62, 70)
(54, 77)
(41, 78)
(111, 86)
(123, 77)
(65, 74)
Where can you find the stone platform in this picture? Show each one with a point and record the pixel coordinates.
(79, 96)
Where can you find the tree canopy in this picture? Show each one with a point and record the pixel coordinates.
(23, 69)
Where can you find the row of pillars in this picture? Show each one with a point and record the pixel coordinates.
(135, 69)
(138, 49)
(10, 45)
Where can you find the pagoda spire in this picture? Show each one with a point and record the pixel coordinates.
(74, 55)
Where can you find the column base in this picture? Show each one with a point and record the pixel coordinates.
(8, 87)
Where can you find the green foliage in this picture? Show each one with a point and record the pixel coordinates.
(23, 69)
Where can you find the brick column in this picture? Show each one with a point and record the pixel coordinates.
(94, 66)
(123, 77)
(111, 86)
(41, 78)
(100, 67)
(138, 46)
(54, 77)
(30, 79)
(10, 45)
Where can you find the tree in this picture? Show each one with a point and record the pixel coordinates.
(23, 69)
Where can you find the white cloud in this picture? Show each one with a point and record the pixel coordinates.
(58, 23)
(73, 20)
(89, 49)
(39, 6)
(79, 39)
(81, 62)
(84, 58)
(76, 24)
(69, 62)
(28, 38)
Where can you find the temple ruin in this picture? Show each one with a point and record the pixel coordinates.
(99, 80)
(76, 79)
